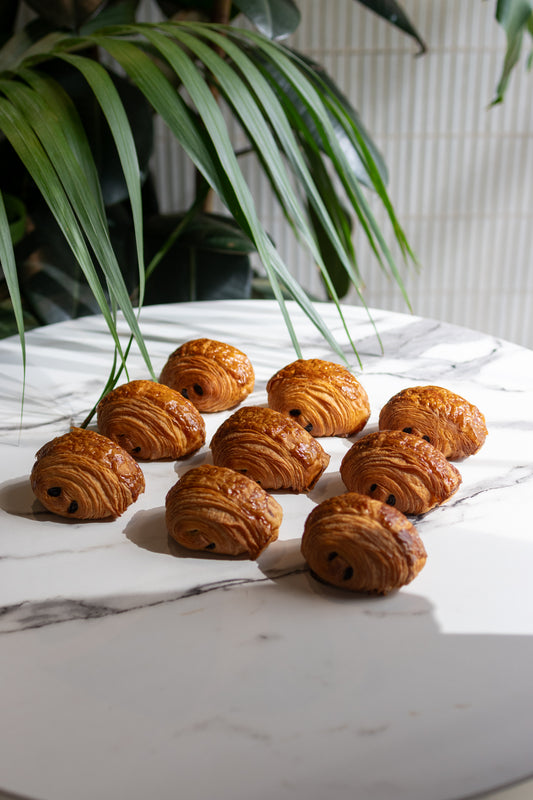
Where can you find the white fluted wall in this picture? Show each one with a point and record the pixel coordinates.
(460, 173)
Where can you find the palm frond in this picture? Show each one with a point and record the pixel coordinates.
(43, 140)
(43, 127)
(9, 269)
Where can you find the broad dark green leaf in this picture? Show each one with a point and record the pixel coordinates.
(118, 13)
(516, 18)
(317, 75)
(201, 8)
(208, 261)
(8, 15)
(65, 13)
(54, 294)
(214, 232)
(335, 266)
(274, 18)
(394, 13)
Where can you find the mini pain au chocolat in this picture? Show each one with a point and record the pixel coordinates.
(321, 396)
(217, 510)
(151, 421)
(269, 448)
(400, 469)
(213, 375)
(84, 475)
(452, 424)
(363, 545)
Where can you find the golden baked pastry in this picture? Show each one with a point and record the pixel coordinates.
(218, 510)
(151, 421)
(213, 375)
(84, 475)
(321, 396)
(452, 424)
(357, 543)
(400, 469)
(270, 448)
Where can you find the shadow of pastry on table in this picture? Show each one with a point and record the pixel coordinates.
(17, 498)
(147, 530)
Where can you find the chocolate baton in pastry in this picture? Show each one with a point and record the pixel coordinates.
(321, 396)
(357, 543)
(400, 469)
(213, 375)
(85, 476)
(452, 424)
(269, 448)
(217, 509)
(151, 421)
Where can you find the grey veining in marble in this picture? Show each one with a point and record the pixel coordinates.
(131, 667)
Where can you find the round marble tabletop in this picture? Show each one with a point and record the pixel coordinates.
(129, 669)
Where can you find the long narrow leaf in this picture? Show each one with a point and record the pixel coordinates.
(54, 96)
(311, 100)
(36, 161)
(273, 111)
(110, 103)
(515, 17)
(245, 106)
(394, 13)
(233, 189)
(9, 268)
(89, 208)
(212, 117)
(254, 117)
(331, 147)
(214, 122)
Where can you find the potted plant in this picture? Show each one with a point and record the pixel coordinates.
(78, 87)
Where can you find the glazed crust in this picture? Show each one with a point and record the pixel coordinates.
(452, 424)
(400, 469)
(151, 421)
(269, 448)
(84, 475)
(213, 375)
(360, 544)
(321, 396)
(217, 510)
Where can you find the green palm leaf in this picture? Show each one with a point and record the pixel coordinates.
(247, 109)
(285, 62)
(516, 19)
(109, 100)
(9, 268)
(43, 146)
(44, 129)
(213, 156)
(261, 120)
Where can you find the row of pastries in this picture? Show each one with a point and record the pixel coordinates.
(361, 540)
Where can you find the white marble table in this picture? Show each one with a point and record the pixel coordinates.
(130, 669)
